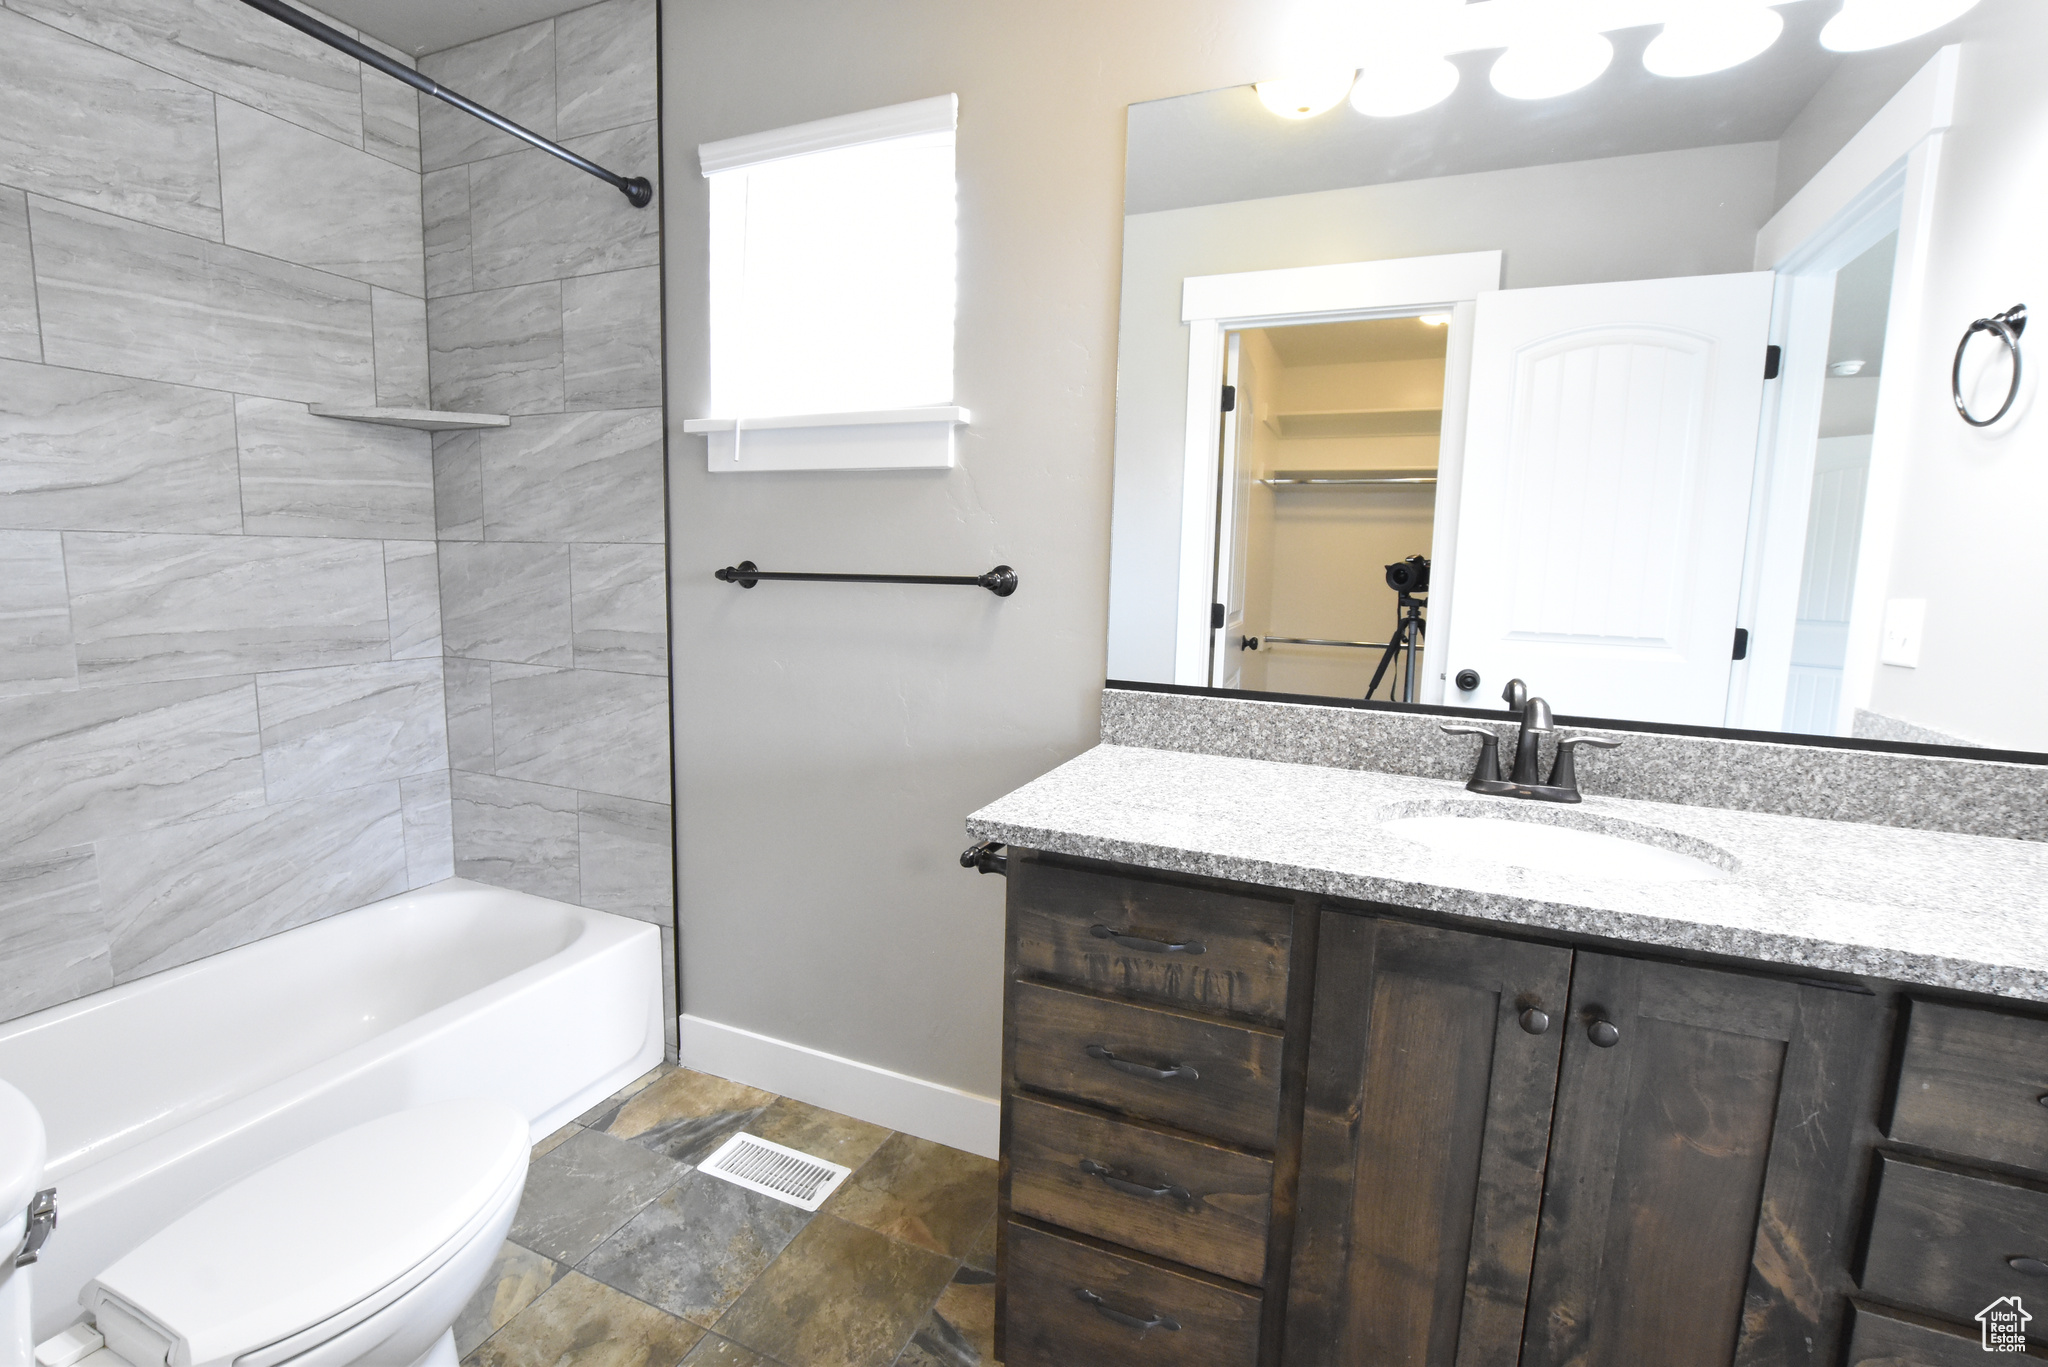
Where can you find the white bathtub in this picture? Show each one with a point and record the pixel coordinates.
(161, 1091)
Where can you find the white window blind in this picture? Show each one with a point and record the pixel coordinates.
(833, 257)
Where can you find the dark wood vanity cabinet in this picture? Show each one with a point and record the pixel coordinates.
(1518, 1153)
(1262, 1129)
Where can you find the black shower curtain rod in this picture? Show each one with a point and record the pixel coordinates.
(638, 189)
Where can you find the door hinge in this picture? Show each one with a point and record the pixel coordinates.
(1215, 616)
(1230, 398)
(1742, 643)
(1774, 357)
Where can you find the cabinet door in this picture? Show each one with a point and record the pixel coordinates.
(1696, 1209)
(1428, 1111)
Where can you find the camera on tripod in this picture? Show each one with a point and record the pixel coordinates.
(1409, 579)
(1410, 575)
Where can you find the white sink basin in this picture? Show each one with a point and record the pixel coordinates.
(1552, 849)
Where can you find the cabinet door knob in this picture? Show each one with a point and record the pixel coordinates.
(1536, 1022)
(1172, 1072)
(2033, 1267)
(1604, 1033)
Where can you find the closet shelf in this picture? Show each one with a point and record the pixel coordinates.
(1359, 422)
(418, 419)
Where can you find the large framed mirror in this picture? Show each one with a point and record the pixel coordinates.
(1640, 392)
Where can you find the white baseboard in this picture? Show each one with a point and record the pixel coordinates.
(929, 1110)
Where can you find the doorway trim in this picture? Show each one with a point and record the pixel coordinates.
(1884, 176)
(1214, 305)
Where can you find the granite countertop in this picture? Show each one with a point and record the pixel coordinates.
(1965, 912)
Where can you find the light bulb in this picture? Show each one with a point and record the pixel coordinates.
(1304, 97)
(1403, 83)
(1713, 37)
(1554, 63)
(1865, 24)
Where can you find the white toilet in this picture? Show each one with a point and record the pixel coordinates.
(360, 1249)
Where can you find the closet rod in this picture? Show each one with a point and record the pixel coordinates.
(638, 189)
(1401, 479)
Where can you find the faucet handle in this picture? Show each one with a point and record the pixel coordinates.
(1563, 770)
(1488, 768)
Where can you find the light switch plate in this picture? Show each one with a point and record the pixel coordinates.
(1905, 625)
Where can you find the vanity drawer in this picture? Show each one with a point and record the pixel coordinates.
(1974, 1083)
(1945, 1243)
(1187, 1071)
(1213, 1214)
(1885, 1340)
(1073, 1305)
(1187, 947)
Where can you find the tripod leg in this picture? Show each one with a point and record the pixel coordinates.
(1387, 657)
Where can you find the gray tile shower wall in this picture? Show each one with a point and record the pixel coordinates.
(1925, 792)
(221, 691)
(543, 301)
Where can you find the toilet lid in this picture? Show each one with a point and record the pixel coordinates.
(312, 1235)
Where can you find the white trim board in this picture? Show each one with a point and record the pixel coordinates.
(939, 114)
(1213, 305)
(929, 1110)
(893, 439)
(1406, 282)
(1866, 167)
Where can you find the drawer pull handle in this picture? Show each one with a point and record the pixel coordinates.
(2033, 1267)
(1109, 1179)
(1145, 946)
(1172, 1072)
(1155, 1321)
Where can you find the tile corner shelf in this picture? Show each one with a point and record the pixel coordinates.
(418, 419)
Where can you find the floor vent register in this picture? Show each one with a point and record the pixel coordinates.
(793, 1178)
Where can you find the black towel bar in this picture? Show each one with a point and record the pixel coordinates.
(1001, 581)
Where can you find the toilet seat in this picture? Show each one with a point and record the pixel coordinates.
(316, 1248)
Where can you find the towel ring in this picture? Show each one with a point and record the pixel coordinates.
(2007, 327)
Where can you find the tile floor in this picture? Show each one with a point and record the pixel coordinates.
(624, 1255)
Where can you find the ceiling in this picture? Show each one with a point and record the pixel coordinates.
(1370, 339)
(418, 26)
(1223, 145)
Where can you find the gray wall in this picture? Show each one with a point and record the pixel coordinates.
(220, 677)
(543, 301)
(1968, 533)
(831, 738)
(1640, 217)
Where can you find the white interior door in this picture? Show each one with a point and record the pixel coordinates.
(1233, 526)
(1609, 450)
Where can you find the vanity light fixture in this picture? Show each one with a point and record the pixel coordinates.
(1304, 97)
(1866, 24)
(1713, 35)
(1552, 62)
(1399, 82)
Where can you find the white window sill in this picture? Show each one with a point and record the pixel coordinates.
(883, 439)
